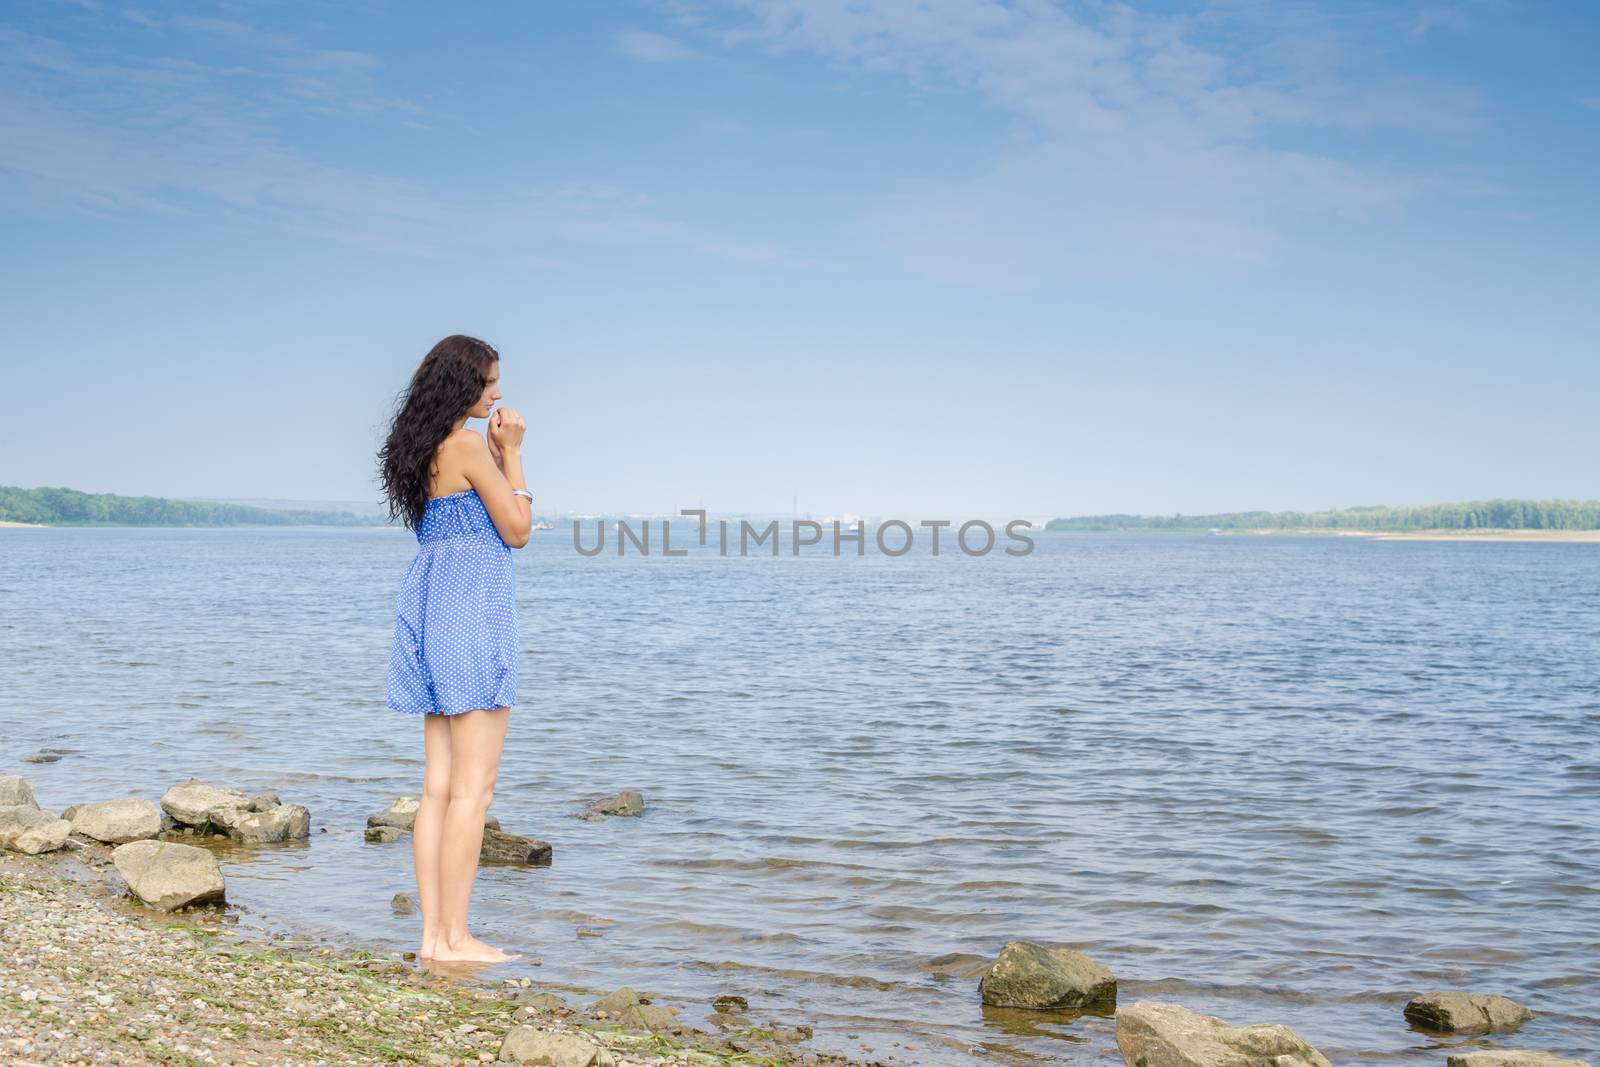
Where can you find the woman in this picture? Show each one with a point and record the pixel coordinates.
(454, 658)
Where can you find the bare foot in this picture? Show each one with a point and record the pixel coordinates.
(471, 950)
(425, 950)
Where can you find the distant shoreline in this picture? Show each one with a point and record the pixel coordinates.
(1554, 536)
(27, 525)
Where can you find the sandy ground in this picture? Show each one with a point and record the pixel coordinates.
(26, 525)
(90, 976)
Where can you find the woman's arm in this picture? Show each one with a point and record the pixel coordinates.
(512, 514)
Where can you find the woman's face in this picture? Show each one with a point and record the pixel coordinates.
(491, 393)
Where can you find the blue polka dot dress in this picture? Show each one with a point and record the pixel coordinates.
(455, 633)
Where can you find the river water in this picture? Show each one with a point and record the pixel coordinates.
(1274, 779)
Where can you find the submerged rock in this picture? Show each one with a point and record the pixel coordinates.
(957, 965)
(1156, 1034)
(381, 835)
(402, 904)
(627, 803)
(115, 822)
(730, 1003)
(169, 875)
(1455, 1012)
(1028, 975)
(28, 828)
(1510, 1058)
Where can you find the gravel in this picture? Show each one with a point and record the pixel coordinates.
(90, 976)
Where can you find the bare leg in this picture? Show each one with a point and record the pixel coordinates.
(427, 833)
(476, 740)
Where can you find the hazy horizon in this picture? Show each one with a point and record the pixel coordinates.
(362, 506)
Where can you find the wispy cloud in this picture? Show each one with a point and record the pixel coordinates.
(179, 137)
(1153, 136)
(653, 47)
(1429, 19)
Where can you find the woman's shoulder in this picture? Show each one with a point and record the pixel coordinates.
(465, 437)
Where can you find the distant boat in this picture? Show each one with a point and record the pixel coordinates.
(1215, 531)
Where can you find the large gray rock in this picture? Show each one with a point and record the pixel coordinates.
(1455, 1012)
(1510, 1058)
(15, 790)
(195, 803)
(169, 875)
(25, 828)
(1152, 1033)
(254, 819)
(1026, 975)
(402, 815)
(115, 822)
(526, 1044)
(285, 822)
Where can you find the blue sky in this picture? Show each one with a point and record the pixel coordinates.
(945, 258)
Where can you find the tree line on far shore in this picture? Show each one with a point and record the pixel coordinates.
(1476, 515)
(69, 507)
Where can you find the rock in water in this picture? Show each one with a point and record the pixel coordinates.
(15, 790)
(627, 802)
(168, 875)
(285, 822)
(379, 835)
(254, 820)
(116, 822)
(1455, 1012)
(26, 828)
(500, 847)
(194, 803)
(402, 815)
(1151, 1033)
(1510, 1058)
(1026, 975)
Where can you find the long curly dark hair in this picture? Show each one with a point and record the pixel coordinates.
(446, 385)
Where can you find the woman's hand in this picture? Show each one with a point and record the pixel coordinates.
(494, 449)
(505, 431)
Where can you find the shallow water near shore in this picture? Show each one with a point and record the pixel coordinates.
(1290, 780)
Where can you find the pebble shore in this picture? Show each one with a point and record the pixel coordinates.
(89, 976)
